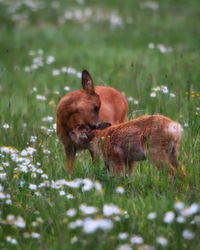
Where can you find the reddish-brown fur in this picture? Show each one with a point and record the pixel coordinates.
(89, 107)
(150, 136)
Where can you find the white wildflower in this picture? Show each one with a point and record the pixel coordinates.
(73, 184)
(80, 1)
(11, 240)
(98, 185)
(64, 69)
(124, 247)
(69, 196)
(50, 59)
(41, 97)
(71, 212)
(87, 209)
(75, 224)
(35, 223)
(153, 94)
(2, 176)
(67, 88)
(74, 240)
(35, 235)
(2, 195)
(54, 126)
(163, 49)
(20, 222)
(56, 72)
(6, 126)
(161, 241)
(62, 193)
(88, 184)
(136, 240)
(136, 102)
(130, 99)
(45, 176)
(28, 151)
(8, 202)
(193, 209)
(33, 186)
(172, 95)
(33, 175)
(179, 205)
(38, 193)
(164, 89)
(123, 236)
(39, 171)
(180, 219)
(10, 217)
(151, 216)
(6, 164)
(111, 209)
(90, 225)
(120, 190)
(47, 119)
(150, 4)
(188, 235)
(27, 69)
(151, 46)
(169, 217)
(46, 151)
(115, 20)
(33, 139)
(40, 51)
(79, 74)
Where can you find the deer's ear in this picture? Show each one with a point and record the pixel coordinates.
(87, 82)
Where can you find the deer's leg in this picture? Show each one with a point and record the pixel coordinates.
(70, 157)
(119, 168)
(131, 165)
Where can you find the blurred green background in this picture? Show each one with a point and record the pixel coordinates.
(150, 51)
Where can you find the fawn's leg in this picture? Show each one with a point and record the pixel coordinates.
(94, 158)
(117, 161)
(158, 157)
(173, 161)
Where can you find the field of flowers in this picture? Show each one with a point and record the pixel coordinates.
(149, 50)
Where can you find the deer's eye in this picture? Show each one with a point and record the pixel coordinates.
(96, 109)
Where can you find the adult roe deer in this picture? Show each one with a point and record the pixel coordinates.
(88, 106)
(153, 136)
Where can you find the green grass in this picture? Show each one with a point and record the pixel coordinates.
(115, 55)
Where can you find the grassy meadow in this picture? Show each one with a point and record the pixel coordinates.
(150, 51)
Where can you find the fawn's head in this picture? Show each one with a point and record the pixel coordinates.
(80, 135)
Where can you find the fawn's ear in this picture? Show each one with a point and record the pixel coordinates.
(87, 82)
